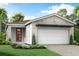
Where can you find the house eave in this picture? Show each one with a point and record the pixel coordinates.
(46, 25)
(16, 25)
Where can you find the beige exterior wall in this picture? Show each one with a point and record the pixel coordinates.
(35, 30)
(8, 33)
(13, 35)
(28, 34)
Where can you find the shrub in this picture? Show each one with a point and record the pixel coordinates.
(37, 47)
(5, 43)
(18, 46)
(2, 37)
(33, 40)
(42, 47)
(26, 47)
(9, 40)
(71, 40)
(13, 45)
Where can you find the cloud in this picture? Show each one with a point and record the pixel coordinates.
(29, 17)
(55, 8)
(2, 5)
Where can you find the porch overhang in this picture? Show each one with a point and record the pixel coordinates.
(16, 25)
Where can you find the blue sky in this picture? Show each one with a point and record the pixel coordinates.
(32, 10)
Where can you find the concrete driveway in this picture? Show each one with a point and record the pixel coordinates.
(65, 50)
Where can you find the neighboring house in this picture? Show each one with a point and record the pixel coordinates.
(49, 29)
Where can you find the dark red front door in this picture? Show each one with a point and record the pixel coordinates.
(18, 34)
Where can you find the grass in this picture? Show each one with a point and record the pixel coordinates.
(7, 50)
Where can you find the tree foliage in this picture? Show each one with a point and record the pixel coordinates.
(3, 15)
(17, 17)
(71, 39)
(76, 11)
(76, 14)
(62, 12)
(3, 19)
(71, 17)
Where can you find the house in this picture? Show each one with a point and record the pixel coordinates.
(49, 29)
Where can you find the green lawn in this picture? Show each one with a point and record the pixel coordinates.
(7, 50)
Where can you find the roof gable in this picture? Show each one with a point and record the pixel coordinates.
(53, 19)
(51, 15)
(63, 20)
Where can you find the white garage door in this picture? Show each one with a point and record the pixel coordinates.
(53, 35)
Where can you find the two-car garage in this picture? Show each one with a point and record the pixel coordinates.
(53, 35)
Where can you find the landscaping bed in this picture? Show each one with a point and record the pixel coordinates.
(27, 46)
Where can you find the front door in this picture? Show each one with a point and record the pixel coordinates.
(18, 34)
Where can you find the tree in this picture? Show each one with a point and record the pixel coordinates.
(3, 15)
(76, 14)
(3, 19)
(17, 17)
(76, 11)
(71, 17)
(62, 12)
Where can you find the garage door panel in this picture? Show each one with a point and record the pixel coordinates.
(51, 35)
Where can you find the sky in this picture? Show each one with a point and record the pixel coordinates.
(33, 10)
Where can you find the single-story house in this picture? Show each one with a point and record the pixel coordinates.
(49, 29)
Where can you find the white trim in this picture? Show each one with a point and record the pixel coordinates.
(15, 24)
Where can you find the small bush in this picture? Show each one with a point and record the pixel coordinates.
(71, 40)
(13, 45)
(26, 47)
(42, 47)
(37, 47)
(18, 46)
(8, 43)
(2, 36)
(5, 43)
(33, 40)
